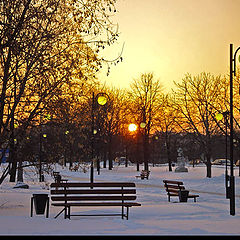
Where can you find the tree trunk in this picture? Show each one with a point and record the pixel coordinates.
(13, 171)
(110, 165)
(168, 154)
(209, 168)
(20, 172)
(208, 156)
(145, 152)
(12, 159)
(105, 157)
(208, 163)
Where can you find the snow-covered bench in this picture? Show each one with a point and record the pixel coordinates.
(83, 194)
(173, 189)
(144, 174)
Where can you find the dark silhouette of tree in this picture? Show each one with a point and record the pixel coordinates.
(45, 47)
(165, 121)
(198, 99)
(144, 99)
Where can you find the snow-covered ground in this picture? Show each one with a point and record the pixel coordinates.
(210, 215)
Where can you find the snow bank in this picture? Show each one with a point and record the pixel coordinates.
(208, 216)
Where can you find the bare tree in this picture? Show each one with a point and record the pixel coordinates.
(198, 99)
(46, 46)
(166, 122)
(144, 97)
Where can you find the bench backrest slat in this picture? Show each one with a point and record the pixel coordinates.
(173, 182)
(93, 191)
(94, 185)
(173, 186)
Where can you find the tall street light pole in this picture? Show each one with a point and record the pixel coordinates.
(40, 150)
(225, 114)
(41, 136)
(231, 177)
(219, 117)
(100, 99)
(92, 139)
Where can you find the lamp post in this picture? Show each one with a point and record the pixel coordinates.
(219, 117)
(231, 177)
(41, 136)
(100, 99)
(40, 150)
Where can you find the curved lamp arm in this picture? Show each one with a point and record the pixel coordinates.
(234, 60)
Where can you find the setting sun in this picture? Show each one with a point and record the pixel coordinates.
(132, 127)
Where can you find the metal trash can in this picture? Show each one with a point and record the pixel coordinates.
(183, 195)
(40, 202)
(58, 178)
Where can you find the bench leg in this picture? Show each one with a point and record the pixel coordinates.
(31, 206)
(65, 212)
(127, 213)
(47, 213)
(68, 214)
(60, 212)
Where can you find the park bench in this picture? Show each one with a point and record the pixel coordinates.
(144, 174)
(99, 194)
(58, 177)
(173, 189)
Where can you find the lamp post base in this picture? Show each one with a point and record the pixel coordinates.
(227, 185)
(232, 195)
(91, 174)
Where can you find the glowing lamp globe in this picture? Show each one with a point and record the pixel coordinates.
(142, 125)
(219, 116)
(66, 132)
(102, 100)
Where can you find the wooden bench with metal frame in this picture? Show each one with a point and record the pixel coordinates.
(99, 194)
(58, 177)
(173, 188)
(144, 174)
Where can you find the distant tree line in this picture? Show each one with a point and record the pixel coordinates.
(50, 54)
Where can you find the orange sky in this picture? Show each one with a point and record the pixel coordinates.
(173, 37)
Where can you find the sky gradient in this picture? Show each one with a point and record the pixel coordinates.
(171, 38)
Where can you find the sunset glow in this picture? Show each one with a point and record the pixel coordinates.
(172, 38)
(132, 127)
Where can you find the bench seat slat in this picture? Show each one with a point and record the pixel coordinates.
(85, 204)
(93, 198)
(172, 191)
(189, 195)
(173, 194)
(192, 195)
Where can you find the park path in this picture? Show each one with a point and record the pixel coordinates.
(143, 185)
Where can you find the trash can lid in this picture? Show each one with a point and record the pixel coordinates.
(40, 194)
